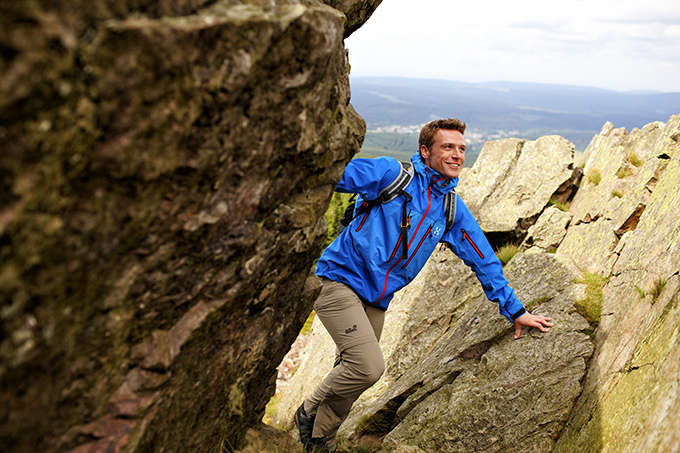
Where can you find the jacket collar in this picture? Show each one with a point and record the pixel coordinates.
(441, 186)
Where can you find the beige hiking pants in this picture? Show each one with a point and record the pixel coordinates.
(355, 328)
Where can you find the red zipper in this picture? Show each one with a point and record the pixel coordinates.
(394, 252)
(387, 275)
(427, 233)
(429, 203)
(474, 246)
(415, 233)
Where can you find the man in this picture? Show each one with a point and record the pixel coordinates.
(368, 262)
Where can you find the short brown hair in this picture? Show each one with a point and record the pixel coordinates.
(428, 131)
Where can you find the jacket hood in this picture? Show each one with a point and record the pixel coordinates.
(442, 186)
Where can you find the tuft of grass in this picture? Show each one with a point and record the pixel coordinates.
(564, 207)
(367, 447)
(529, 306)
(594, 176)
(657, 288)
(617, 193)
(376, 424)
(624, 172)
(506, 253)
(591, 307)
(634, 159)
(641, 292)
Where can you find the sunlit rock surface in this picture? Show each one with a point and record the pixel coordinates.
(512, 180)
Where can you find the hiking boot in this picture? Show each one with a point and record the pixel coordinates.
(304, 424)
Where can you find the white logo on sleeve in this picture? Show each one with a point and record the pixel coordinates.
(437, 231)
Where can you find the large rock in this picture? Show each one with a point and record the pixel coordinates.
(356, 12)
(164, 171)
(615, 192)
(513, 180)
(548, 231)
(477, 389)
(630, 400)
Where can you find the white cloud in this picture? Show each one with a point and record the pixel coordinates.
(622, 45)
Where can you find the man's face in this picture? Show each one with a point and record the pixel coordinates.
(447, 154)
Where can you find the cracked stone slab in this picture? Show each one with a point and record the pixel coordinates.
(512, 180)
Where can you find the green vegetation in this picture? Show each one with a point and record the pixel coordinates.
(398, 145)
(617, 193)
(564, 207)
(374, 424)
(360, 448)
(591, 306)
(655, 291)
(336, 209)
(657, 288)
(529, 306)
(506, 253)
(370, 429)
(625, 172)
(594, 176)
(634, 159)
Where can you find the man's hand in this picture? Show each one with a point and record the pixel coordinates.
(529, 320)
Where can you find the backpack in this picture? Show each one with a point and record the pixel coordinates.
(391, 192)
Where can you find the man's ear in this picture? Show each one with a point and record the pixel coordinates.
(424, 152)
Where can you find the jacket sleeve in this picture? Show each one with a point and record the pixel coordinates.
(466, 239)
(369, 176)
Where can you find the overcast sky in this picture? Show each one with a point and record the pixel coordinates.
(621, 45)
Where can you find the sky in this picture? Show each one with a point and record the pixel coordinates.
(622, 45)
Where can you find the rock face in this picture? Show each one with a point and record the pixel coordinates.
(513, 180)
(456, 380)
(626, 227)
(164, 171)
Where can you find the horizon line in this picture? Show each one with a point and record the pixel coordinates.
(491, 82)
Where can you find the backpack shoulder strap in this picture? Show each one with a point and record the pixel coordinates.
(391, 192)
(451, 203)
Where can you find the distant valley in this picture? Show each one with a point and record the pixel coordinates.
(395, 108)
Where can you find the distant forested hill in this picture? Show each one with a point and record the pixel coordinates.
(532, 110)
(403, 146)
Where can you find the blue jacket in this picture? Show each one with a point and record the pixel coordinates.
(367, 255)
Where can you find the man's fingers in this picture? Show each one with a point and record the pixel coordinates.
(546, 321)
(540, 322)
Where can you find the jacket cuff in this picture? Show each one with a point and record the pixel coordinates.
(518, 314)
